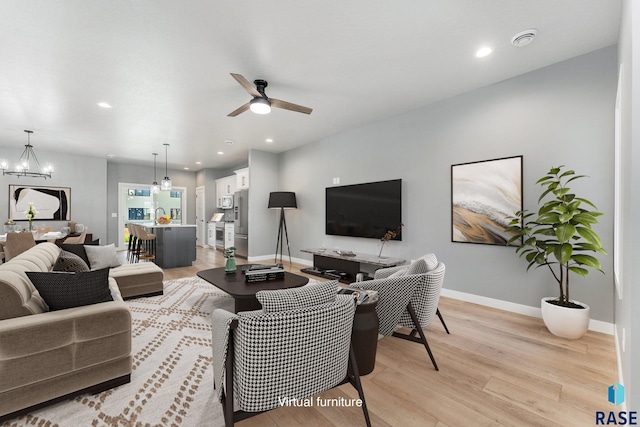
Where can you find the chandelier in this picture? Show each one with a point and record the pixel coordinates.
(28, 164)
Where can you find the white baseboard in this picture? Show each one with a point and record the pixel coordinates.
(594, 325)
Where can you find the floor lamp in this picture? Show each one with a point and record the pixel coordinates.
(282, 200)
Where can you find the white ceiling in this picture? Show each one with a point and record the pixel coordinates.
(164, 67)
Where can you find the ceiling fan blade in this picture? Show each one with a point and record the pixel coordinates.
(246, 85)
(290, 106)
(239, 110)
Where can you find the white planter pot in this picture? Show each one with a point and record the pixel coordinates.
(569, 323)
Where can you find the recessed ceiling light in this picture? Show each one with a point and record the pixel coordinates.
(220, 152)
(525, 37)
(186, 168)
(482, 52)
(198, 163)
(104, 105)
(228, 142)
(268, 140)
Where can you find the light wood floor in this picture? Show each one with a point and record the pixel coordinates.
(496, 369)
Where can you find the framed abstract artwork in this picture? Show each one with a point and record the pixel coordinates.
(51, 203)
(483, 195)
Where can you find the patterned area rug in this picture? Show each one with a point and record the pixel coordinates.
(172, 378)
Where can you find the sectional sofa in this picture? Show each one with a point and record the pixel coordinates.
(47, 356)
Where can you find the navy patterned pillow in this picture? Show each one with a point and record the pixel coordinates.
(305, 296)
(70, 262)
(62, 290)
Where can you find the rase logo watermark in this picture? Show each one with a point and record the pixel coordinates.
(615, 396)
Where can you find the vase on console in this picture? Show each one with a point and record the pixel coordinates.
(388, 236)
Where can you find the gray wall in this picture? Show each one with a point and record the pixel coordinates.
(263, 222)
(134, 174)
(86, 176)
(626, 318)
(557, 115)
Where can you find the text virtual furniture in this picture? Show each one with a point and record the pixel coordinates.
(408, 298)
(330, 264)
(297, 346)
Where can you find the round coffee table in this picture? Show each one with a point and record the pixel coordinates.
(244, 294)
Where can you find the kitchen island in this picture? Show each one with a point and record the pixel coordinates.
(175, 244)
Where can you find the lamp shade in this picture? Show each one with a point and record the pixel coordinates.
(282, 199)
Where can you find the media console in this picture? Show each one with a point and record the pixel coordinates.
(330, 265)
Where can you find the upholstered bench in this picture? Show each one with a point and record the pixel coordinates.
(140, 279)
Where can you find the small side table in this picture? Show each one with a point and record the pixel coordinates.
(364, 336)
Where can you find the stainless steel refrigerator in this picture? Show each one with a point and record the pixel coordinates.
(241, 222)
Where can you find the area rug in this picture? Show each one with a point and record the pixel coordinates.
(172, 378)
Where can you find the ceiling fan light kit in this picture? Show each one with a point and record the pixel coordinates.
(260, 106)
(261, 103)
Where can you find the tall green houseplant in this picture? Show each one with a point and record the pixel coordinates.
(560, 237)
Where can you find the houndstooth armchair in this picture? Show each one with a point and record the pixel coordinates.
(295, 347)
(408, 296)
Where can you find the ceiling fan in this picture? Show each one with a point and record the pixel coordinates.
(261, 103)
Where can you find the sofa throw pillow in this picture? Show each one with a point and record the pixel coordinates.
(61, 290)
(305, 296)
(70, 262)
(75, 249)
(418, 266)
(431, 260)
(102, 256)
(399, 273)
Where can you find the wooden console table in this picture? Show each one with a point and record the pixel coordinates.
(349, 266)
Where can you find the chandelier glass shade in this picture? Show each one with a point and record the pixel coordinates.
(28, 164)
(166, 182)
(155, 188)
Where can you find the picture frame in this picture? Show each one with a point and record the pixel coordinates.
(51, 203)
(484, 194)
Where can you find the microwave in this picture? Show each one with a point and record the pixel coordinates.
(227, 202)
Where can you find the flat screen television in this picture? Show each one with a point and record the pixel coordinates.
(364, 210)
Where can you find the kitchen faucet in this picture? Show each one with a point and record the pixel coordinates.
(156, 213)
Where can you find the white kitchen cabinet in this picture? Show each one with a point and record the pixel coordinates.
(242, 179)
(228, 235)
(225, 187)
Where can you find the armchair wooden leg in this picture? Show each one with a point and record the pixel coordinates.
(355, 382)
(412, 337)
(442, 320)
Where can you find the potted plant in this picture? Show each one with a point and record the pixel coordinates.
(561, 239)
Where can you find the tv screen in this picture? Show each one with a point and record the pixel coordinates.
(364, 210)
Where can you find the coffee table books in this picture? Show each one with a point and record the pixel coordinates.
(262, 274)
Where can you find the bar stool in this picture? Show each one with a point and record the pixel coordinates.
(149, 242)
(132, 242)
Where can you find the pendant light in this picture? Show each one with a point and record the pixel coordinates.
(155, 188)
(24, 166)
(166, 182)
